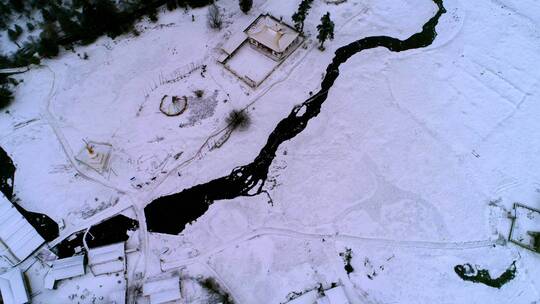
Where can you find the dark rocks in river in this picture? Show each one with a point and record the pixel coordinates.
(170, 214)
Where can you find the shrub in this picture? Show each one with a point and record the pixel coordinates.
(214, 17)
(199, 93)
(245, 5)
(238, 119)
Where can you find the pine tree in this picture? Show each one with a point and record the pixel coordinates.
(171, 5)
(245, 5)
(214, 17)
(300, 16)
(326, 30)
(48, 43)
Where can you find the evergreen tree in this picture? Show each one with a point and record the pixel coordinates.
(171, 5)
(17, 5)
(48, 43)
(300, 16)
(214, 17)
(15, 33)
(326, 30)
(245, 5)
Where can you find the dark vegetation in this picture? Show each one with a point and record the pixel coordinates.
(214, 17)
(217, 292)
(245, 5)
(326, 30)
(473, 274)
(300, 15)
(238, 119)
(347, 257)
(70, 22)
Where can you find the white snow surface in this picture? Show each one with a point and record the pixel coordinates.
(413, 163)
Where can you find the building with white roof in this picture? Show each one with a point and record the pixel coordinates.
(107, 259)
(13, 288)
(272, 35)
(18, 239)
(334, 295)
(64, 269)
(309, 297)
(162, 291)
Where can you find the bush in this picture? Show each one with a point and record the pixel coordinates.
(238, 119)
(199, 93)
(245, 5)
(214, 17)
(6, 96)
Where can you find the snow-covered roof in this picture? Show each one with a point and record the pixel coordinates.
(307, 298)
(19, 238)
(107, 259)
(271, 33)
(335, 295)
(162, 291)
(234, 42)
(12, 287)
(63, 269)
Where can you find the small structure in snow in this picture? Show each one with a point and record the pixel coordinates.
(95, 156)
(18, 239)
(163, 291)
(107, 259)
(272, 36)
(173, 105)
(64, 269)
(525, 229)
(334, 295)
(13, 287)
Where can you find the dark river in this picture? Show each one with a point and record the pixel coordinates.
(170, 214)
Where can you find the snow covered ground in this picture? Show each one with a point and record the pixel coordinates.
(413, 163)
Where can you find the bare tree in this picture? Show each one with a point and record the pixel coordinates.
(214, 17)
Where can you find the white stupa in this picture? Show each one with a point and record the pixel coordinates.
(95, 155)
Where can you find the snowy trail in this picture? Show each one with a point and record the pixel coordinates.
(169, 214)
(273, 231)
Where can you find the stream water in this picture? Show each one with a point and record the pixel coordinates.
(169, 214)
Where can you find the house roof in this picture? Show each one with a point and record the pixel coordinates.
(63, 269)
(12, 287)
(334, 295)
(107, 259)
(271, 33)
(162, 291)
(307, 298)
(234, 42)
(16, 233)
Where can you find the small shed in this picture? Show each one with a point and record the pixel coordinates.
(64, 269)
(13, 288)
(18, 239)
(163, 290)
(334, 295)
(107, 259)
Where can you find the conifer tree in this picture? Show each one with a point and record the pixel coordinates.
(245, 5)
(326, 30)
(300, 16)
